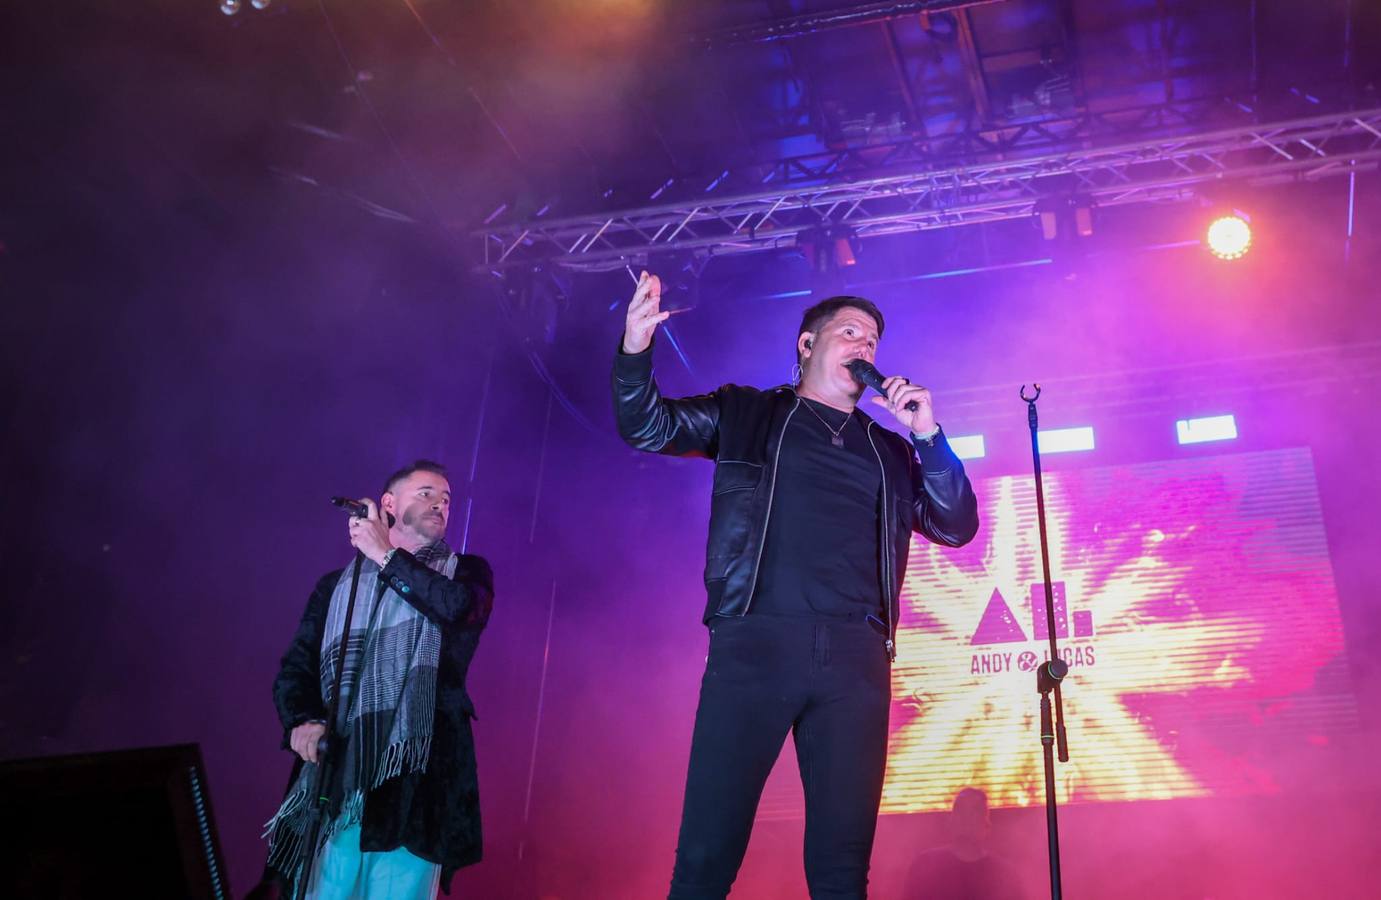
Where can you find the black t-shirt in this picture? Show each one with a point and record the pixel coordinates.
(820, 557)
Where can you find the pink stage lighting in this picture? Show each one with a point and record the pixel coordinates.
(1230, 237)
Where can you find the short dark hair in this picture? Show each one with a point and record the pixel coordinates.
(822, 312)
(972, 797)
(421, 465)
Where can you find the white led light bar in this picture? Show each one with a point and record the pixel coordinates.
(1065, 440)
(1211, 428)
(968, 446)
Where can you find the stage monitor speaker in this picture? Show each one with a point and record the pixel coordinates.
(127, 823)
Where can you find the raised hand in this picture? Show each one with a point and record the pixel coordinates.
(644, 314)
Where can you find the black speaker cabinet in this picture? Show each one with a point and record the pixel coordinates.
(128, 823)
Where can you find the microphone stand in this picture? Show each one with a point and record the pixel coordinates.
(326, 751)
(1050, 674)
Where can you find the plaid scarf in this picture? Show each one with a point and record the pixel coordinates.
(388, 699)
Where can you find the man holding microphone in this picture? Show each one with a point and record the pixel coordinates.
(811, 517)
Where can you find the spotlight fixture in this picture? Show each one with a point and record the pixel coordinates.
(230, 7)
(844, 252)
(1065, 216)
(829, 248)
(830, 251)
(260, 4)
(1230, 237)
(1083, 218)
(846, 245)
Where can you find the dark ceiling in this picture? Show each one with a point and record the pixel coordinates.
(451, 114)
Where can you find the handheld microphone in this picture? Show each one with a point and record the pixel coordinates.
(358, 509)
(865, 372)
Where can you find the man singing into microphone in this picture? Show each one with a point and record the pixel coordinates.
(810, 522)
(403, 809)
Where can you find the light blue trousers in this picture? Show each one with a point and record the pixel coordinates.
(344, 872)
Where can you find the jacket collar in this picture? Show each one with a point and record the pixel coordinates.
(858, 408)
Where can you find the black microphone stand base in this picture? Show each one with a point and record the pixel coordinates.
(1048, 678)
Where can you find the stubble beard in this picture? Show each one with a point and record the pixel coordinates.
(428, 528)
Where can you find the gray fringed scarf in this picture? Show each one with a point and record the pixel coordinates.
(388, 699)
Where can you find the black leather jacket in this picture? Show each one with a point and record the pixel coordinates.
(741, 429)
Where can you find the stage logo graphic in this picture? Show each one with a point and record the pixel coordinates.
(999, 626)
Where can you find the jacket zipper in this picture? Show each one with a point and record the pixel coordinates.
(771, 492)
(886, 550)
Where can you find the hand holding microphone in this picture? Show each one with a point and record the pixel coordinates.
(306, 740)
(910, 403)
(368, 533)
(359, 508)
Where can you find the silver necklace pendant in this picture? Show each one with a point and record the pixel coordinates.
(836, 435)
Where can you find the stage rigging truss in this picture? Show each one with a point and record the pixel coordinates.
(893, 189)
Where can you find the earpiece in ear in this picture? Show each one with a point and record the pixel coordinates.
(809, 344)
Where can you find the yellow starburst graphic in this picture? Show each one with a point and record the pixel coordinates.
(1203, 611)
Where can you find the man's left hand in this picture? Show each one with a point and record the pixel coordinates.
(370, 535)
(900, 392)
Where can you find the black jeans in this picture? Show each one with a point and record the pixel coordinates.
(828, 682)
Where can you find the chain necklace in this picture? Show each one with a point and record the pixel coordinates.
(836, 434)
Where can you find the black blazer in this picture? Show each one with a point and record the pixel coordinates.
(434, 813)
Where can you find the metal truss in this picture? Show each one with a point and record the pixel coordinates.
(1042, 135)
(810, 23)
(927, 198)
